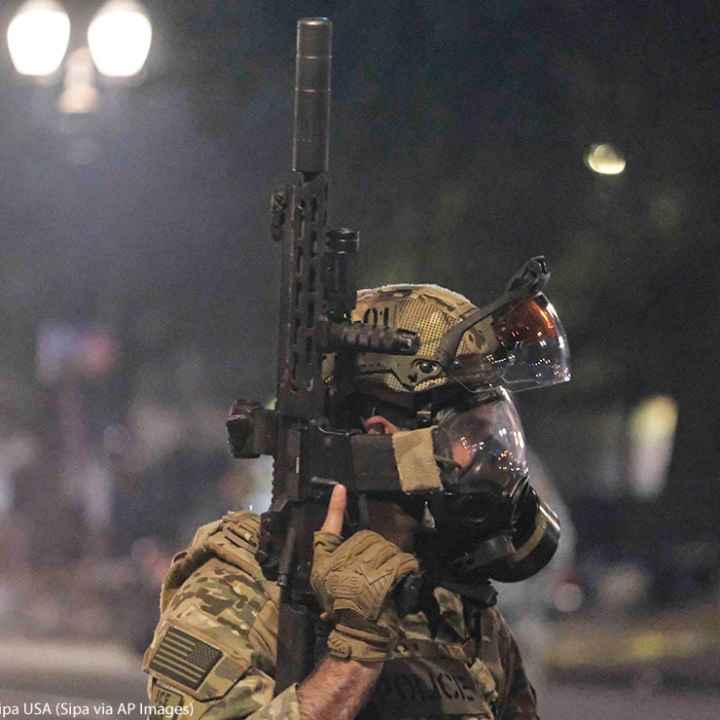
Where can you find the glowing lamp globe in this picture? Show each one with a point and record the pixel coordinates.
(119, 38)
(38, 37)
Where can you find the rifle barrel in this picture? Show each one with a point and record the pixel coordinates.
(313, 64)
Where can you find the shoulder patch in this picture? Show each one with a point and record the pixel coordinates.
(184, 659)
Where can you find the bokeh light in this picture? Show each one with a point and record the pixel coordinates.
(38, 37)
(605, 159)
(119, 38)
(652, 426)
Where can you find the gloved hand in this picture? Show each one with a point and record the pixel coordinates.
(353, 581)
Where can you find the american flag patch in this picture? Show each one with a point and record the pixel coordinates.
(183, 658)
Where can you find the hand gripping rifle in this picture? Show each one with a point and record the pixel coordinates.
(305, 434)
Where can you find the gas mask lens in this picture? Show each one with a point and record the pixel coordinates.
(484, 448)
(485, 460)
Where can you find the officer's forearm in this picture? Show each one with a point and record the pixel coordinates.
(337, 689)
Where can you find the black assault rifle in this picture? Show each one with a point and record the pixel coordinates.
(305, 434)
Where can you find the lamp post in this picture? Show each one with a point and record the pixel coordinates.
(116, 45)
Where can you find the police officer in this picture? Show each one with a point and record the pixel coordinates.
(467, 513)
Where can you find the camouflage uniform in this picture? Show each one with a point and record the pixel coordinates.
(213, 654)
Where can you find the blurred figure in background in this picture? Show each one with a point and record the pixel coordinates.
(527, 605)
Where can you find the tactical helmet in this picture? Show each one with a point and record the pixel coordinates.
(517, 341)
(428, 310)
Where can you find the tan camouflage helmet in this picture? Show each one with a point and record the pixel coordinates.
(430, 311)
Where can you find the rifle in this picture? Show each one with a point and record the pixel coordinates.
(305, 434)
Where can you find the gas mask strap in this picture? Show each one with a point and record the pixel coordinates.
(483, 554)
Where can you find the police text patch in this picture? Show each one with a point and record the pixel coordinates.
(169, 701)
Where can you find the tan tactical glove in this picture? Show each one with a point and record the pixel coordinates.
(353, 581)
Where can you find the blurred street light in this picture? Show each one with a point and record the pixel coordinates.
(38, 37)
(652, 426)
(605, 159)
(119, 37)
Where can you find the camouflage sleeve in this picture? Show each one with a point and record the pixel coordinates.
(516, 696)
(213, 653)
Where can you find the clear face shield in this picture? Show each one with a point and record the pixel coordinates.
(527, 347)
(488, 498)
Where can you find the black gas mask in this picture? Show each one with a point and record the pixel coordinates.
(469, 461)
(489, 520)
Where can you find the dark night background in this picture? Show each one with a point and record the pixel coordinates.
(458, 135)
